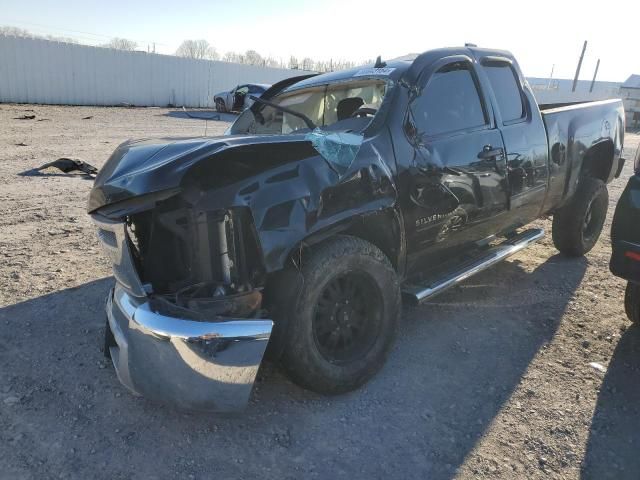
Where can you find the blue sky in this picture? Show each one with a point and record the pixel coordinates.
(541, 33)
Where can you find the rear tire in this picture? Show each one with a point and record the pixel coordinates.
(578, 224)
(632, 302)
(340, 313)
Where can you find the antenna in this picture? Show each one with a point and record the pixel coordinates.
(379, 63)
(595, 74)
(575, 80)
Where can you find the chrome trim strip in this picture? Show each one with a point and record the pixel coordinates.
(171, 327)
(420, 293)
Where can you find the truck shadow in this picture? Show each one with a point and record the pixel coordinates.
(614, 439)
(455, 364)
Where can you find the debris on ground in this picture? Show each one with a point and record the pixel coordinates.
(21, 144)
(25, 117)
(87, 118)
(68, 165)
(598, 366)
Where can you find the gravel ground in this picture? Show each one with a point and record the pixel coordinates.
(490, 381)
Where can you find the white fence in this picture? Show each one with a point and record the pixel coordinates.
(41, 71)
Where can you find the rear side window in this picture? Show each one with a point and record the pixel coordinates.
(505, 86)
(450, 102)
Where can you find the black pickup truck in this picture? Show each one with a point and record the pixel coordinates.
(325, 202)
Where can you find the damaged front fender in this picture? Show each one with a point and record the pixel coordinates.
(297, 199)
(195, 227)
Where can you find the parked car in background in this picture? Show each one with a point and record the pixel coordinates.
(237, 99)
(625, 240)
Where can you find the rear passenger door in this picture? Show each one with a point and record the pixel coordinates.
(524, 138)
(458, 192)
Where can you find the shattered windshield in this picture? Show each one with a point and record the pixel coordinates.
(340, 106)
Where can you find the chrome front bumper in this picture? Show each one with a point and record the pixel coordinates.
(193, 365)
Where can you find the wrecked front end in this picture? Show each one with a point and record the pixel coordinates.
(193, 240)
(186, 325)
(195, 228)
(198, 348)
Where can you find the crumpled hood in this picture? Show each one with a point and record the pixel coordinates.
(139, 167)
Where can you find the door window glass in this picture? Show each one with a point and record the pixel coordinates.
(505, 87)
(450, 102)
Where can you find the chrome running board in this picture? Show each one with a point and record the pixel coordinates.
(418, 293)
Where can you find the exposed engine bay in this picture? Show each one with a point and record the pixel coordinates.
(203, 262)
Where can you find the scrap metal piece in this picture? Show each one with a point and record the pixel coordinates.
(67, 165)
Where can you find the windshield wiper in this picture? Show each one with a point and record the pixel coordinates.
(304, 118)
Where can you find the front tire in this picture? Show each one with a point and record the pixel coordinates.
(578, 224)
(341, 312)
(632, 302)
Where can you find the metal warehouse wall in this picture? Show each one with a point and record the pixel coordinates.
(41, 71)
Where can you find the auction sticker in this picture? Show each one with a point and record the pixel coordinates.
(374, 71)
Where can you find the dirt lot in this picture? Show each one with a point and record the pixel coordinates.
(491, 381)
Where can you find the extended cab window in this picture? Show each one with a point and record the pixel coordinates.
(449, 102)
(505, 87)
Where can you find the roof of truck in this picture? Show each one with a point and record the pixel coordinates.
(396, 68)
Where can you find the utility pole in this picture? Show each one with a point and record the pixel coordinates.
(551, 76)
(575, 80)
(595, 74)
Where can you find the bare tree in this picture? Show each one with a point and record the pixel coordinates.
(252, 57)
(307, 63)
(15, 31)
(121, 44)
(271, 62)
(21, 32)
(233, 57)
(199, 49)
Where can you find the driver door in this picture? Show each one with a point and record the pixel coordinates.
(231, 95)
(457, 188)
(240, 97)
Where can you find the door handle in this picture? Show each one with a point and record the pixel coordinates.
(489, 152)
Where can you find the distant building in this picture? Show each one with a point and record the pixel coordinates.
(558, 90)
(630, 94)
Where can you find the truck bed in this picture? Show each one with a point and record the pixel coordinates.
(574, 129)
